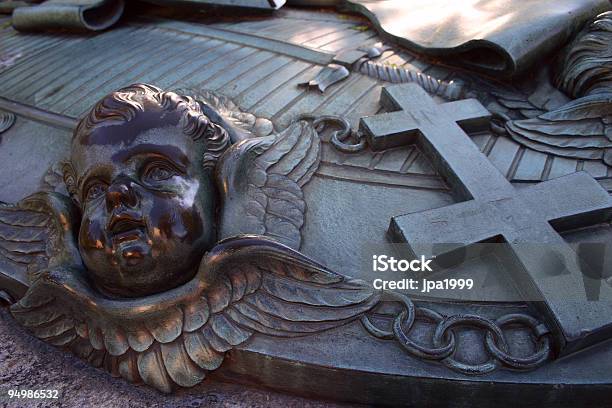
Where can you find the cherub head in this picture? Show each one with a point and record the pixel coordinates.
(141, 172)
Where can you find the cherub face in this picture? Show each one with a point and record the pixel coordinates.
(148, 205)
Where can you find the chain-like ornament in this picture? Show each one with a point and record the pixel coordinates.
(339, 137)
(444, 343)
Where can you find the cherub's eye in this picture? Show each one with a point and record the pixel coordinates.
(95, 190)
(159, 172)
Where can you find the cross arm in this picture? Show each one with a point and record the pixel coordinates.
(388, 130)
(410, 108)
(469, 114)
(456, 226)
(573, 201)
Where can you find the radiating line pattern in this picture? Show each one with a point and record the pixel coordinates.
(67, 74)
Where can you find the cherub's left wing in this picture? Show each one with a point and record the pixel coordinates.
(245, 286)
(265, 287)
(261, 182)
(261, 287)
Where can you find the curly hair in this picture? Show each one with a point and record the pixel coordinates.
(123, 105)
(587, 63)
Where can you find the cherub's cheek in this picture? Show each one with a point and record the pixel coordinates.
(170, 221)
(188, 193)
(92, 235)
(192, 223)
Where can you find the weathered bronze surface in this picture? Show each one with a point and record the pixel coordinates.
(145, 178)
(207, 225)
(73, 15)
(498, 37)
(96, 15)
(580, 129)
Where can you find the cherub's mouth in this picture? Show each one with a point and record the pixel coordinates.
(125, 228)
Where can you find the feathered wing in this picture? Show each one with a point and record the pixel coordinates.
(245, 286)
(516, 102)
(581, 129)
(261, 180)
(36, 233)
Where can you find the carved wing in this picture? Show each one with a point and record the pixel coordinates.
(581, 129)
(223, 111)
(245, 286)
(523, 100)
(36, 233)
(516, 102)
(261, 182)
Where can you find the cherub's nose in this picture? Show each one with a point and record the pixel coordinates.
(121, 192)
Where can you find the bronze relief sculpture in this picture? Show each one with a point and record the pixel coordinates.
(119, 274)
(176, 246)
(214, 228)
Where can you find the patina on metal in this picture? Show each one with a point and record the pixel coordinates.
(156, 184)
(494, 36)
(79, 15)
(96, 15)
(141, 173)
(208, 230)
(493, 207)
(582, 128)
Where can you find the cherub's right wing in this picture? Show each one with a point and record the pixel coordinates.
(35, 234)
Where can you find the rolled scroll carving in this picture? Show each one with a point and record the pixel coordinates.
(581, 129)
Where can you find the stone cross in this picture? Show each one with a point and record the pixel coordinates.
(527, 219)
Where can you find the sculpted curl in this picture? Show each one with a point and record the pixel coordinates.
(123, 105)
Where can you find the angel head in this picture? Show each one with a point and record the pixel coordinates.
(140, 170)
